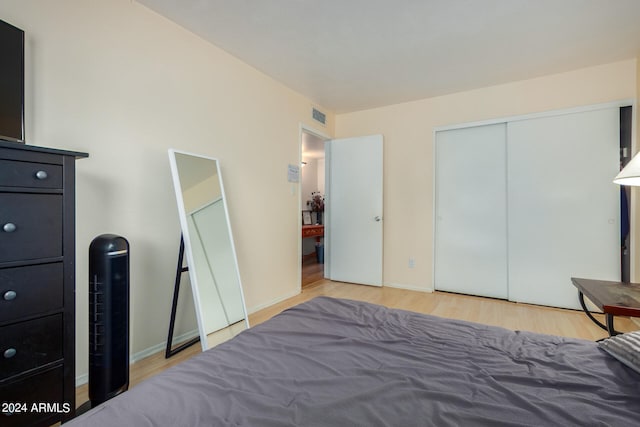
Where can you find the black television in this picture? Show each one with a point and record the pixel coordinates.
(11, 83)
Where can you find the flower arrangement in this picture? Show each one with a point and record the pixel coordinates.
(316, 204)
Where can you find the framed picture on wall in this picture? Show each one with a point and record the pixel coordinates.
(306, 217)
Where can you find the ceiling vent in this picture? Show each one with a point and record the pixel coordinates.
(319, 116)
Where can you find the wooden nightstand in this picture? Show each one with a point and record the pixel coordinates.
(613, 298)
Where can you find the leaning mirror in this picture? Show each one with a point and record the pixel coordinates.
(208, 246)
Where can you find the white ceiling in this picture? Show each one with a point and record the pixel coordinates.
(349, 55)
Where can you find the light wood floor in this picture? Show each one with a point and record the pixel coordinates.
(489, 311)
(311, 270)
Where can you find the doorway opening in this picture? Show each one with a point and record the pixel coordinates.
(626, 119)
(312, 191)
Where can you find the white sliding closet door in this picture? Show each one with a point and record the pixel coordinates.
(563, 208)
(470, 230)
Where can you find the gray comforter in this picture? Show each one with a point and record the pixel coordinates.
(332, 362)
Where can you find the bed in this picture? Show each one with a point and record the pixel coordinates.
(336, 362)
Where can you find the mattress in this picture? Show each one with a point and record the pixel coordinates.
(336, 362)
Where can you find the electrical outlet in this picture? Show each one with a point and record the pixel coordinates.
(412, 262)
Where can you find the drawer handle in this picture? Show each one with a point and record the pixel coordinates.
(9, 227)
(10, 295)
(9, 353)
(42, 175)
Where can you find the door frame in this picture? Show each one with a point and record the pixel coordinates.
(303, 128)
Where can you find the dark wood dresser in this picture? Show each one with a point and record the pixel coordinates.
(37, 284)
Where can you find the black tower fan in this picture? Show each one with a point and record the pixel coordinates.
(108, 317)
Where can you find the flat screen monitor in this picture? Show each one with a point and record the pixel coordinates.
(11, 83)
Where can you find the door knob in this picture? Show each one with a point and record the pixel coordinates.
(377, 218)
(9, 227)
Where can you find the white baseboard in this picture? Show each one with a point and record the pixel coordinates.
(84, 378)
(273, 302)
(409, 287)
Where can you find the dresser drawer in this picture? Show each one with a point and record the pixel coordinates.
(28, 345)
(30, 175)
(30, 226)
(20, 396)
(34, 289)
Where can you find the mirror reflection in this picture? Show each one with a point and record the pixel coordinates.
(209, 248)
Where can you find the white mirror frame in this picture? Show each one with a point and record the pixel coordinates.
(188, 248)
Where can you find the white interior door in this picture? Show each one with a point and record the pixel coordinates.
(353, 217)
(470, 199)
(564, 209)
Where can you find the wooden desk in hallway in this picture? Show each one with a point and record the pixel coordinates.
(316, 231)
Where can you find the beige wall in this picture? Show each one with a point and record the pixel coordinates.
(408, 131)
(124, 84)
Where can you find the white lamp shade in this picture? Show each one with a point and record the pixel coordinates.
(630, 174)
